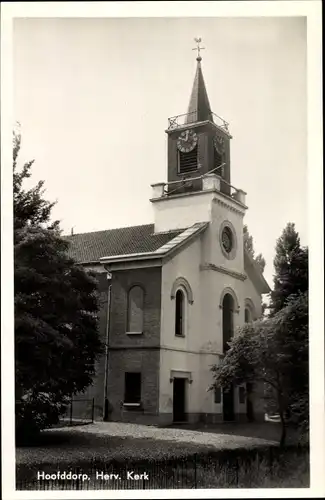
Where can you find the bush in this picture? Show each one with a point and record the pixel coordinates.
(35, 412)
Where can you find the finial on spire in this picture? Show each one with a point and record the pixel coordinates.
(198, 48)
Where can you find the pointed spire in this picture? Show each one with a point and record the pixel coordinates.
(199, 106)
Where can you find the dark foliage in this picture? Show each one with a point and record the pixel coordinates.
(273, 352)
(291, 268)
(56, 307)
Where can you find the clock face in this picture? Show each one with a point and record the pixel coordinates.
(219, 144)
(187, 141)
(227, 239)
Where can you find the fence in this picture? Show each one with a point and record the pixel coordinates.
(79, 411)
(229, 470)
(164, 474)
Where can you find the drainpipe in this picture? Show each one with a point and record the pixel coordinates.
(105, 417)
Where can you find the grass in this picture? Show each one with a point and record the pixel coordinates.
(291, 471)
(171, 464)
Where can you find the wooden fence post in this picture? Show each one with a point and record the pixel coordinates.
(71, 411)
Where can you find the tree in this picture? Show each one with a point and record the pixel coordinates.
(56, 307)
(291, 268)
(249, 246)
(273, 351)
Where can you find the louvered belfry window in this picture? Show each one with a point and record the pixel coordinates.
(188, 162)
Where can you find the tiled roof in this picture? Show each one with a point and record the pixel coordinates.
(90, 247)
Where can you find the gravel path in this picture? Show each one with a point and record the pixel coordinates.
(219, 441)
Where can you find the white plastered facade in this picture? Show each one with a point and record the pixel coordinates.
(210, 274)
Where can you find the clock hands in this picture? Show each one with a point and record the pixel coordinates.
(185, 139)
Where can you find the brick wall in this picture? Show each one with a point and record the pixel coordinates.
(128, 353)
(150, 280)
(142, 360)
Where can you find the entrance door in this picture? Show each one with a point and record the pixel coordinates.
(228, 404)
(179, 393)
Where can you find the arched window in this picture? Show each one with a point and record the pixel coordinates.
(250, 314)
(135, 310)
(228, 305)
(180, 313)
(227, 320)
(248, 318)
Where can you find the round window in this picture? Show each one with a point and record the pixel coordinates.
(227, 239)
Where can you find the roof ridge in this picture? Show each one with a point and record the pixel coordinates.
(171, 231)
(109, 229)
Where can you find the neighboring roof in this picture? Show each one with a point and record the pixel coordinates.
(125, 241)
(255, 273)
(199, 107)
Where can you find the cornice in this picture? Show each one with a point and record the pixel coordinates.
(230, 206)
(129, 347)
(223, 270)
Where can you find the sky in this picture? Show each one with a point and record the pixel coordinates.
(93, 97)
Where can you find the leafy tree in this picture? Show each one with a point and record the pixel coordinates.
(274, 352)
(249, 246)
(291, 268)
(260, 261)
(56, 307)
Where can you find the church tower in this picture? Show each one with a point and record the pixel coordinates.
(198, 164)
(198, 141)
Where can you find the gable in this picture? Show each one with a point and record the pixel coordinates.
(253, 272)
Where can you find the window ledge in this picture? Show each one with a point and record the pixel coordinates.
(134, 333)
(132, 406)
(180, 336)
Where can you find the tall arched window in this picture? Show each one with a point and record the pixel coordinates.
(227, 320)
(180, 313)
(135, 310)
(228, 304)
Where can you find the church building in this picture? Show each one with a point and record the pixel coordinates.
(173, 292)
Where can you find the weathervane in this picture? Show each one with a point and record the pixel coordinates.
(198, 48)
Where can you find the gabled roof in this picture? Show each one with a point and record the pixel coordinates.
(255, 274)
(199, 107)
(126, 243)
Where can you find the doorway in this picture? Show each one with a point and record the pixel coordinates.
(179, 397)
(228, 404)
